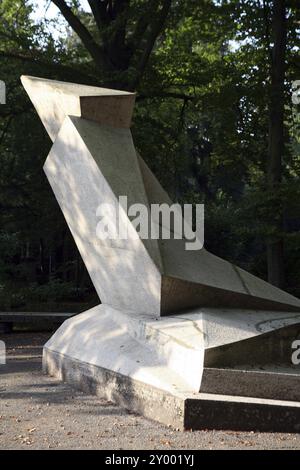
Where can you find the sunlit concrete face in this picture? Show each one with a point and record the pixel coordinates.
(55, 100)
(128, 349)
(172, 353)
(123, 273)
(93, 161)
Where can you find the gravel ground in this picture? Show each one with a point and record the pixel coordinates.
(38, 412)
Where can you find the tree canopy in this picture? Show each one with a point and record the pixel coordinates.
(213, 81)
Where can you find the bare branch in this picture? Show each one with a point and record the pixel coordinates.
(140, 30)
(119, 14)
(166, 94)
(60, 69)
(98, 12)
(92, 47)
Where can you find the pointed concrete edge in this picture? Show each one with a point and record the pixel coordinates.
(156, 367)
(54, 100)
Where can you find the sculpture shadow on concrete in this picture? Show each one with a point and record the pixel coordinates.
(180, 335)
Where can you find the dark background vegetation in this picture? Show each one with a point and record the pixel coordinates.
(214, 120)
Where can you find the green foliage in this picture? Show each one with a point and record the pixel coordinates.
(201, 123)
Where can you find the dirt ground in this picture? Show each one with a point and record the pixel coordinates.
(38, 412)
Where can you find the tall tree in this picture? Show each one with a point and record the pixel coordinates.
(276, 137)
(124, 36)
(201, 123)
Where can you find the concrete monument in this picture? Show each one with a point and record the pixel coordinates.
(181, 336)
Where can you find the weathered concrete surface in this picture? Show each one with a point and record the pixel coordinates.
(170, 352)
(41, 412)
(54, 100)
(132, 395)
(180, 410)
(165, 353)
(156, 367)
(81, 182)
(278, 383)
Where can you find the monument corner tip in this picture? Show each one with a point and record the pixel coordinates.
(23, 79)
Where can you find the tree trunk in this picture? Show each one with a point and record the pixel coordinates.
(276, 138)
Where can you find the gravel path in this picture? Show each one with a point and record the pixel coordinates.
(38, 412)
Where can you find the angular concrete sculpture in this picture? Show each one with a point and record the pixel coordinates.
(181, 336)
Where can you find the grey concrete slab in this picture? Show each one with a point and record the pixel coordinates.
(274, 382)
(175, 353)
(183, 411)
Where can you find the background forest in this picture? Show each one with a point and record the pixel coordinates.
(214, 120)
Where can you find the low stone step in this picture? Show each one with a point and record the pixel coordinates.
(274, 382)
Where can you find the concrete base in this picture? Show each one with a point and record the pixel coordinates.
(171, 370)
(277, 383)
(181, 410)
